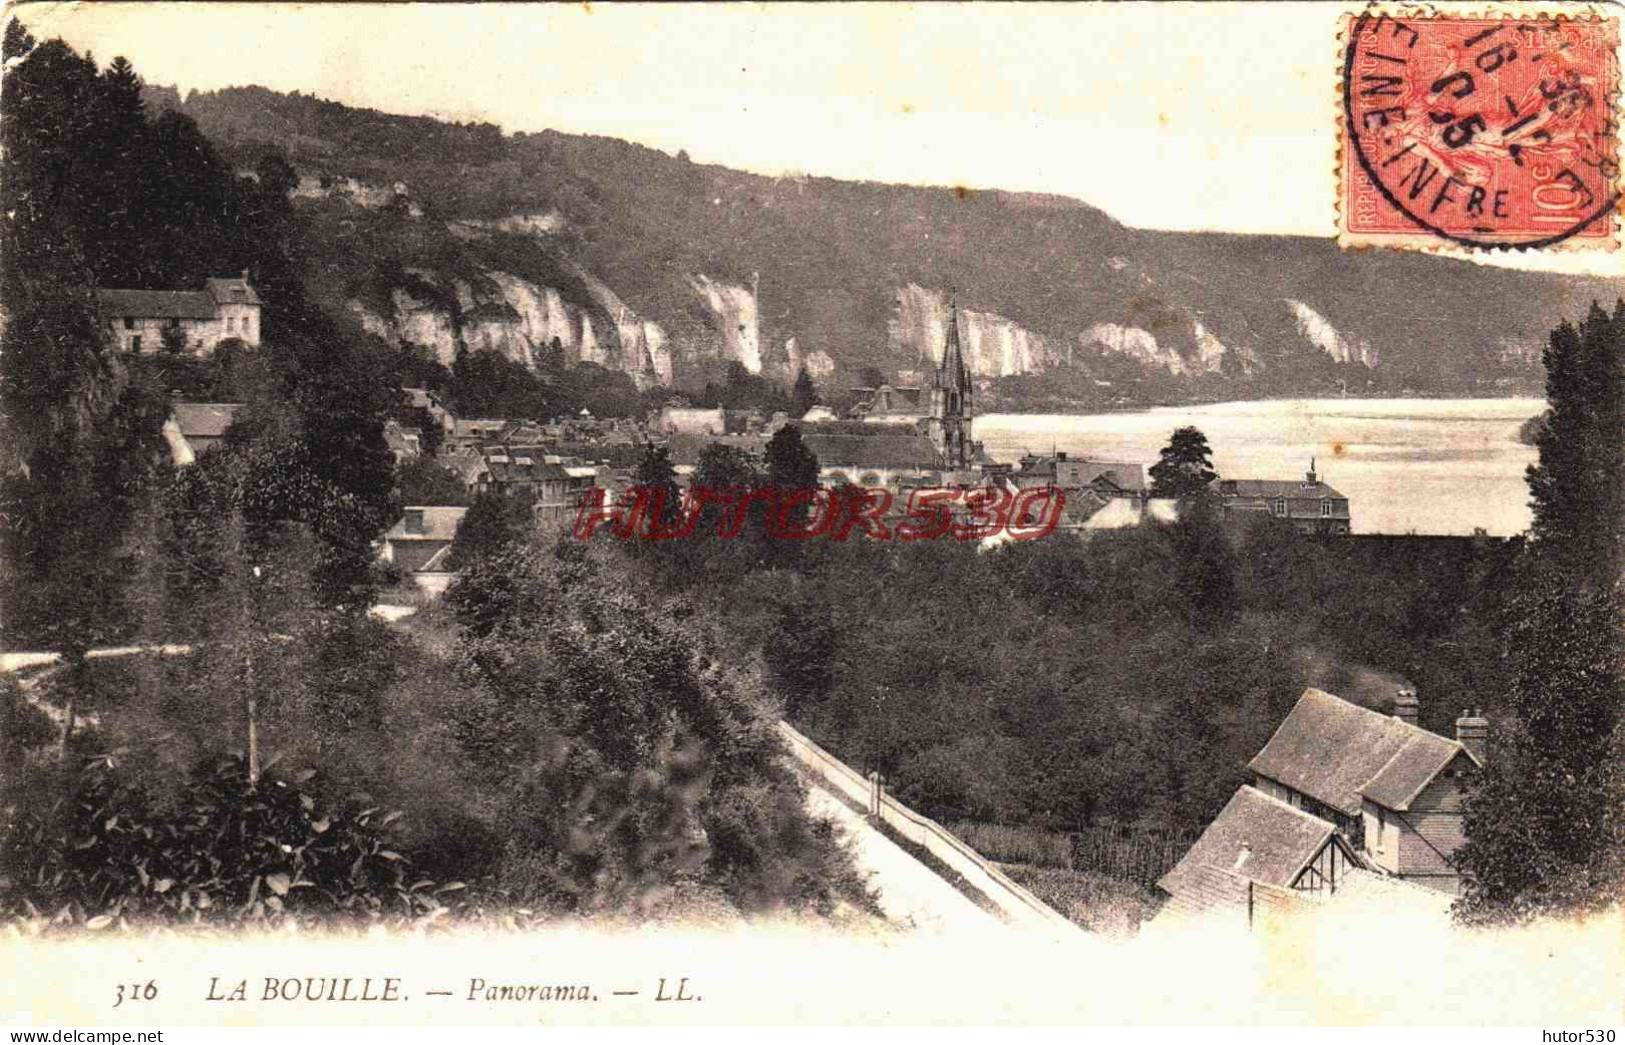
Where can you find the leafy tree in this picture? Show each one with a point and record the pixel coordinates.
(723, 467)
(488, 384)
(492, 523)
(743, 390)
(1576, 489)
(1545, 827)
(424, 481)
(790, 464)
(1203, 562)
(1185, 465)
(804, 396)
(584, 688)
(792, 469)
(656, 475)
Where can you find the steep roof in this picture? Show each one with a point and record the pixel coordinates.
(1080, 471)
(869, 446)
(1270, 488)
(204, 420)
(1333, 751)
(439, 523)
(156, 304)
(1210, 891)
(232, 291)
(1257, 837)
(686, 447)
(1412, 768)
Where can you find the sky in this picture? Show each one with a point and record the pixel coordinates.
(1209, 116)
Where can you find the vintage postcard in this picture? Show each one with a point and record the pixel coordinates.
(521, 515)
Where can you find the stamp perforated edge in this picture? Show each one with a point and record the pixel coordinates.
(1424, 240)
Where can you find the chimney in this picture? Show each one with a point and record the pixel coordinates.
(1473, 733)
(414, 520)
(1311, 475)
(245, 275)
(1406, 706)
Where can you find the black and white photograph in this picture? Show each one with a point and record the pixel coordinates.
(519, 515)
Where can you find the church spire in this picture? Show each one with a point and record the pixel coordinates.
(953, 357)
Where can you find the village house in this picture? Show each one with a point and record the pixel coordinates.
(1390, 786)
(1310, 505)
(405, 443)
(1112, 479)
(476, 431)
(1258, 850)
(560, 495)
(860, 454)
(427, 400)
(193, 428)
(421, 535)
(522, 471)
(1339, 793)
(889, 404)
(197, 320)
(688, 420)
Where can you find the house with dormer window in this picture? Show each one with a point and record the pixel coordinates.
(1340, 791)
(1309, 504)
(141, 321)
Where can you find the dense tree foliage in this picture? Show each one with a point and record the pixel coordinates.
(424, 481)
(743, 390)
(493, 522)
(1185, 466)
(159, 210)
(1122, 680)
(657, 478)
(1545, 827)
(1577, 489)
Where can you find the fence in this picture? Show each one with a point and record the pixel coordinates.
(1142, 857)
(1019, 907)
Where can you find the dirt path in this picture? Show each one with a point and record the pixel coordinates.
(910, 893)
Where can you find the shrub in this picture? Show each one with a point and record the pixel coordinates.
(289, 850)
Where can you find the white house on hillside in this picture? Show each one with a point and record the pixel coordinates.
(137, 320)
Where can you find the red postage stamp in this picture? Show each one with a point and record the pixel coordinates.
(1484, 131)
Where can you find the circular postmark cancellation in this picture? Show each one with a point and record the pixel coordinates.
(1488, 132)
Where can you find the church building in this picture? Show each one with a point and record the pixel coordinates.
(949, 422)
(921, 446)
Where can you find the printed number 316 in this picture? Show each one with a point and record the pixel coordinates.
(136, 992)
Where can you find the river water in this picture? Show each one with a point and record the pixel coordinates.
(1406, 465)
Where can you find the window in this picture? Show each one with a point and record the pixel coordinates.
(231, 323)
(1280, 506)
(135, 343)
(129, 322)
(1325, 509)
